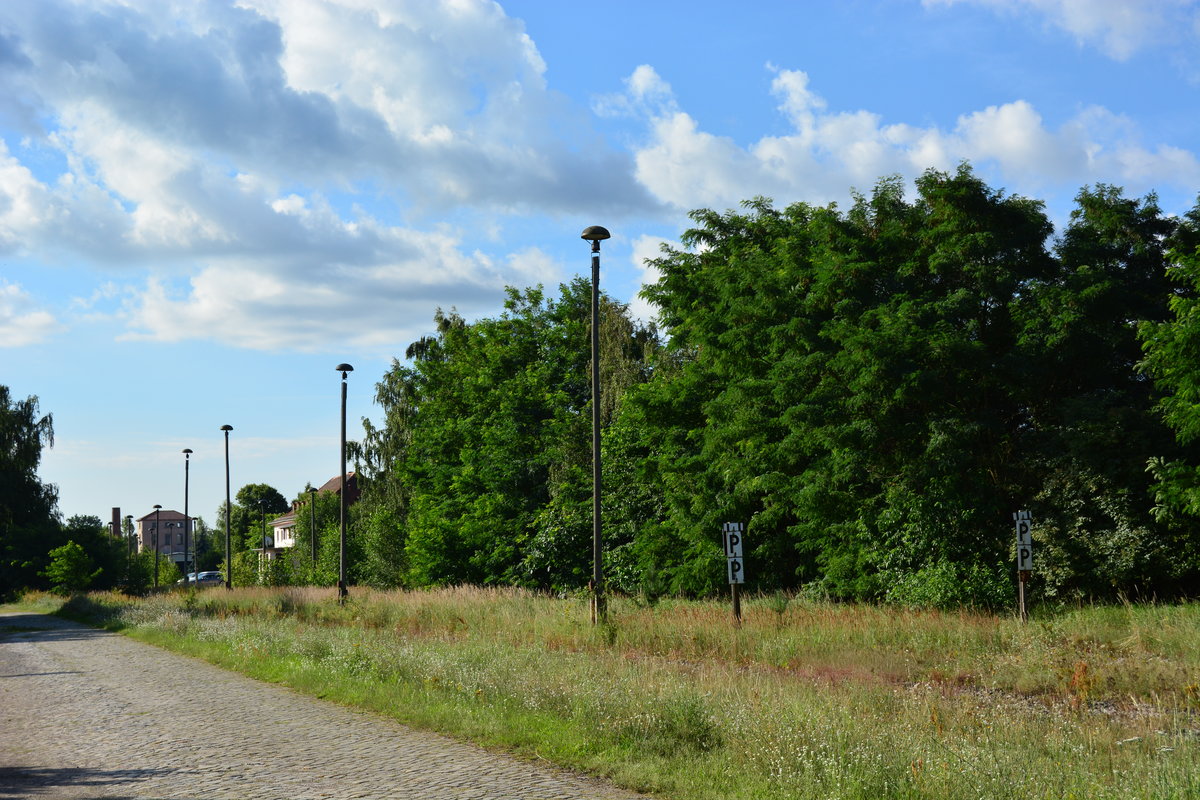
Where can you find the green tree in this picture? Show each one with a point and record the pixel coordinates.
(28, 514)
(476, 475)
(1170, 349)
(71, 570)
(875, 391)
(1091, 409)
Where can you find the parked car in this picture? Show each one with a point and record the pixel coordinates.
(209, 578)
(191, 578)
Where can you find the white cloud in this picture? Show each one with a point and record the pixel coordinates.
(223, 147)
(445, 102)
(829, 151)
(646, 248)
(1119, 27)
(20, 323)
(25, 206)
(375, 289)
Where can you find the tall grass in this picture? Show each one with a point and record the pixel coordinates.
(803, 700)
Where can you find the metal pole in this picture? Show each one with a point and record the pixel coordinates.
(129, 548)
(228, 513)
(342, 589)
(1023, 576)
(595, 235)
(157, 508)
(262, 512)
(187, 521)
(736, 588)
(312, 518)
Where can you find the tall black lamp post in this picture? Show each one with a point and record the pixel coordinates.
(228, 513)
(157, 508)
(595, 234)
(187, 521)
(342, 590)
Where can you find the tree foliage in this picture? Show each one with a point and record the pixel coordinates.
(28, 507)
(874, 390)
(482, 470)
(70, 569)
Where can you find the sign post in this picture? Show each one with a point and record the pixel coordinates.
(735, 564)
(1024, 521)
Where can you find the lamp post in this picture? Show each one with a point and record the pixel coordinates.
(228, 513)
(595, 234)
(312, 518)
(129, 547)
(157, 508)
(187, 521)
(342, 590)
(262, 513)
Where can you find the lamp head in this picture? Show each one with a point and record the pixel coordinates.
(157, 506)
(595, 234)
(226, 428)
(344, 368)
(187, 451)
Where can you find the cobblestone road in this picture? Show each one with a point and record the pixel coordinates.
(91, 714)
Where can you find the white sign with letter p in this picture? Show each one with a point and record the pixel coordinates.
(732, 539)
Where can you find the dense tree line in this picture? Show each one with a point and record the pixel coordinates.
(873, 390)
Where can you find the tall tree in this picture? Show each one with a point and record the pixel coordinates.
(863, 388)
(1172, 353)
(28, 507)
(477, 471)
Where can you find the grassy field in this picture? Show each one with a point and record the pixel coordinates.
(804, 700)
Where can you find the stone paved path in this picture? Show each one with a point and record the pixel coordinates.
(90, 714)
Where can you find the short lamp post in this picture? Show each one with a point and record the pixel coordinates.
(595, 234)
(345, 369)
(130, 547)
(187, 521)
(228, 513)
(157, 509)
(312, 518)
(262, 513)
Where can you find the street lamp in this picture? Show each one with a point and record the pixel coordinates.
(129, 548)
(342, 590)
(312, 518)
(187, 521)
(595, 234)
(228, 513)
(262, 512)
(157, 508)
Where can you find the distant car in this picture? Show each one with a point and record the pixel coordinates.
(209, 578)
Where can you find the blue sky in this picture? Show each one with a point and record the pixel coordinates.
(206, 206)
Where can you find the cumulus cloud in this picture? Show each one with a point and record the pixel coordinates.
(20, 322)
(828, 151)
(646, 248)
(223, 147)
(375, 291)
(1118, 27)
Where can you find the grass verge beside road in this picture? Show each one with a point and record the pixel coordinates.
(804, 700)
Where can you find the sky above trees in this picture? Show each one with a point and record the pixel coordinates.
(205, 206)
